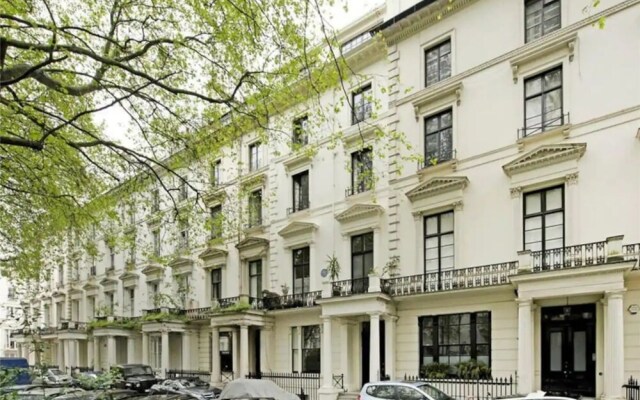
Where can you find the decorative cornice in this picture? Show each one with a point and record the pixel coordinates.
(180, 261)
(129, 276)
(109, 284)
(365, 54)
(297, 160)
(543, 46)
(418, 21)
(297, 228)
(544, 156)
(152, 269)
(212, 252)
(90, 286)
(251, 242)
(254, 180)
(216, 195)
(436, 186)
(358, 134)
(450, 88)
(359, 211)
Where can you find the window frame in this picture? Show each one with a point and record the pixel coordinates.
(305, 265)
(155, 200)
(257, 276)
(183, 235)
(255, 210)
(360, 284)
(473, 339)
(437, 46)
(305, 350)
(215, 177)
(215, 214)
(544, 124)
(300, 135)
(439, 132)
(157, 242)
(527, 3)
(543, 213)
(438, 235)
(361, 165)
(216, 283)
(298, 184)
(362, 92)
(255, 153)
(183, 190)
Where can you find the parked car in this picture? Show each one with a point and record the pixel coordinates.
(138, 377)
(54, 376)
(401, 391)
(249, 389)
(45, 393)
(88, 380)
(192, 387)
(539, 395)
(109, 394)
(23, 377)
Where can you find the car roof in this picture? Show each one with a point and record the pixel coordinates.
(402, 383)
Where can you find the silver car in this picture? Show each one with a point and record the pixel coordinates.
(390, 390)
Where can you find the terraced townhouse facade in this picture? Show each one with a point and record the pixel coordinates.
(512, 242)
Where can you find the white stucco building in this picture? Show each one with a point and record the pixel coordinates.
(514, 243)
(10, 317)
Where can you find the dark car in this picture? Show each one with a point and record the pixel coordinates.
(108, 394)
(137, 377)
(192, 387)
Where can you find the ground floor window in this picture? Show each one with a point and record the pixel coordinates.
(450, 343)
(155, 353)
(305, 349)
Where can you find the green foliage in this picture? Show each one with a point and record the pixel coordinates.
(333, 267)
(129, 324)
(435, 371)
(239, 306)
(163, 316)
(473, 369)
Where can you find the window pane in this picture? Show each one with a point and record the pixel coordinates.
(358, 267)
(580, 351)
(555, 351)
(533, 86)
(446, 222)
(432, 225)
(431, 244)
(368, 242)
(554, 199)
(533, 111)
(445, 66)
(432, 125)
(356, 244)
(533, 203)
(553, 79)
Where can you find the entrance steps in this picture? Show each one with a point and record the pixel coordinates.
(348, 396)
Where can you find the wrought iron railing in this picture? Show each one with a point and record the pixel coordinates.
(581, 255)
(295, 300)
(255, 303)
(468, 389)
(198, 313)
(350, 286)
(73, 326)
(464, 278)
(546, 124)
(442, 156)
(632, 389)
(632, 252)
(358, 188)
(302, 205)
(305, 385)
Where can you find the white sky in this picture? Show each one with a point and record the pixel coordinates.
(340, 15)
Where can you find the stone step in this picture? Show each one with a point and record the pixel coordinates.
(348, 396)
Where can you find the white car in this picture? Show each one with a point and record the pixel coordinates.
(539, 395)
(401, 391)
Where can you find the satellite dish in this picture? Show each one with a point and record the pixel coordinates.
(324, 272)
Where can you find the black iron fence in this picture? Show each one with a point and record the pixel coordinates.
(478, 389)
(581, 255)
(295, 300)
(305, 385)
(350, 286)
(188, 373)
(542, 123)
(632, 389)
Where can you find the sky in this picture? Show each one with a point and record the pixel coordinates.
(340, 15)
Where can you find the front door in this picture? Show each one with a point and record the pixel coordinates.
(569, 350)
(365, 339)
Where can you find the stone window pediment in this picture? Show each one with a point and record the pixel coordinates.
(252, 247)
(181, 266)
(436, 186)
(75, 294)
(359, 212)
(562, 43)
(357, 136)
(297, 161)
(254, 180)
(129, 279)
(215, 196)
(153, 272)
(434, 96)
(213, 257)
(297, 233)
(545, 156)
(109, 284)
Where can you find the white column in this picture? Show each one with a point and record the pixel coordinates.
(66, 348)
(131, 350)
(186, 350)
(344, 355)
(417, 223)
(111, 351)
(76, 353)
(164, 358)
(525, 346)
(96, 353)
(390, 346)
(60, 354)
(235, 339)
(145, 348)
(614, 346)
(376, 249)
(325, 359)
(374, 347)
(215, 356)
(90, 360)
(244, 351)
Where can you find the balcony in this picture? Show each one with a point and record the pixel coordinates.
(296, 300)
(303, 205)
(465, 278)
(440, 159)
(357, 189)
(582, 255)
(548, 124)
(73, 326)
(350, 287)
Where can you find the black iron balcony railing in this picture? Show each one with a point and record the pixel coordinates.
(440, 156)
(296, 300)
(226, 302)
(350, 286)
(357, 189)
(72, 326)
(547, 123)
(169, 310)
(464, 278)
(198, 313)
(581, 255)
(302, 205)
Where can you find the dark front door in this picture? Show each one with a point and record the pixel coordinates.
(226, 354)
(569, 350)
(256, 350)
(366, 352)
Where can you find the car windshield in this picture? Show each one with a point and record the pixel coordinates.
(434, 393)
(138, 370)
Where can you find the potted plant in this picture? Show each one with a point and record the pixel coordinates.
(333, 269)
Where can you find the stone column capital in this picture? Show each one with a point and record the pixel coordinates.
(614, 294)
